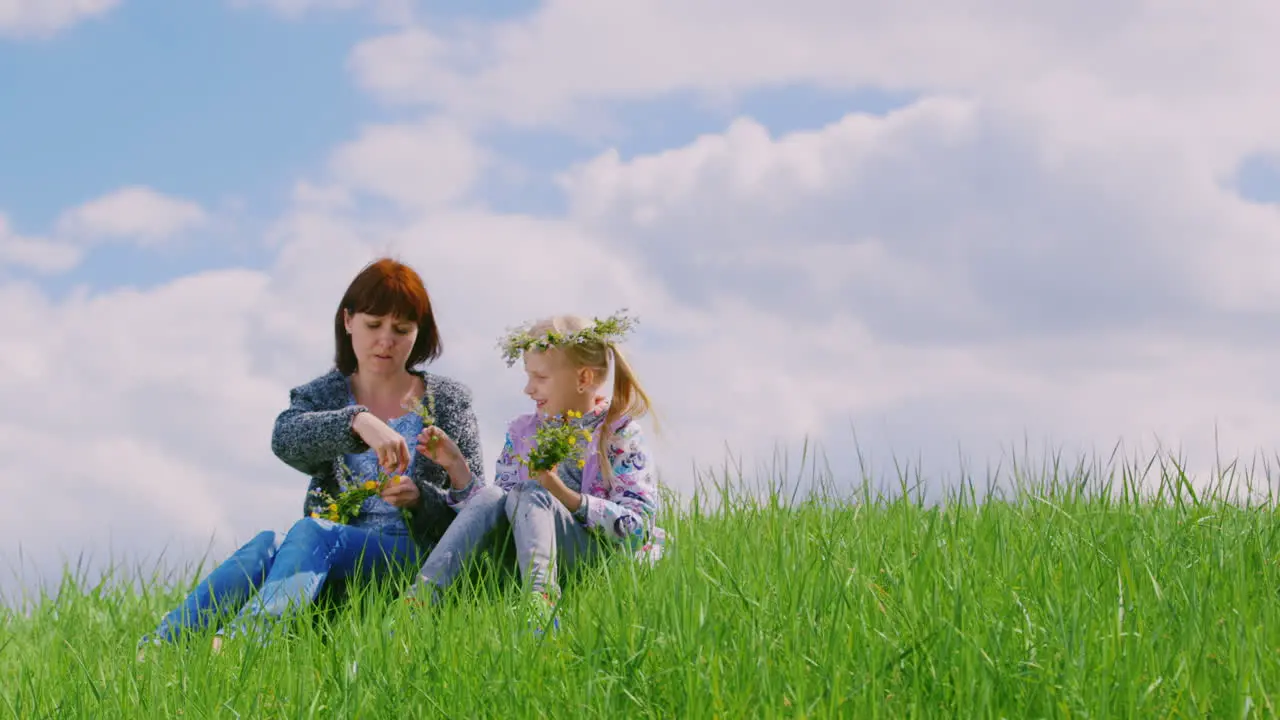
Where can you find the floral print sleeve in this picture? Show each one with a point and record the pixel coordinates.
(506, 475)
(507, 470)
(457, 498)
(626, 514)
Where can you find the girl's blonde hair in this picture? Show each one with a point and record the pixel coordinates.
(629, 398)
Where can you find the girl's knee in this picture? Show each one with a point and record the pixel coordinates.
(525, 486)
(489, 494)
(527, 494)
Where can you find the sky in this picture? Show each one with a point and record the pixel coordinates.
(946, 236)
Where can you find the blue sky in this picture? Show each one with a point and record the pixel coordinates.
(217, 104)
(221, 106)
(1070, 245)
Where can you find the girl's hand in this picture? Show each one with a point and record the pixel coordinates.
(549, 479)
(392, 450)
(401, 492)
(436, 445)
(551, 482)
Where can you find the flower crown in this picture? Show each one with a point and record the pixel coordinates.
(609, 330)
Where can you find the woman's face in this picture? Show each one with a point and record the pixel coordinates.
(382, 343)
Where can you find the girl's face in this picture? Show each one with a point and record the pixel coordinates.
(553, 383)
(382, 342)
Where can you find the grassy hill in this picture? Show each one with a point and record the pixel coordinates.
(1069, 598)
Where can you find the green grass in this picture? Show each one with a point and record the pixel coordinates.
(1070, 597)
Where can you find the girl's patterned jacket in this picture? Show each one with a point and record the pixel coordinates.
(312, 435)
(622, 511)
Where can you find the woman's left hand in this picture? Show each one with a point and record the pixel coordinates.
(401, 492)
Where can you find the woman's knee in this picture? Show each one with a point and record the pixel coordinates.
(266, 543)
(258, 552)
(309, 529)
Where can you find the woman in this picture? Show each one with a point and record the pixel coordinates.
(354, 417)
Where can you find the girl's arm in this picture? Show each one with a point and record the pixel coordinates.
(507, 469)
(627, 513)
(310, 433)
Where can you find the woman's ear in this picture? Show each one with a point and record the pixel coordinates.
(346, 320)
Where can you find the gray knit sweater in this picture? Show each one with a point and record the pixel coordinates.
(314, 433)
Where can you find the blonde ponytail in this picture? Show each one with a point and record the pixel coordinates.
(629, 398)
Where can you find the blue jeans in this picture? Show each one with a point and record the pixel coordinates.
(546, 536)
(287, 574)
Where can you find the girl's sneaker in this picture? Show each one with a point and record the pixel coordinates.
(539, 610)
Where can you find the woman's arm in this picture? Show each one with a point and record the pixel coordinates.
(312, 431)
(457, 418)
(626, 514)
(460, 423)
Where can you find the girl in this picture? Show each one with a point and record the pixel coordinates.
(559, 518)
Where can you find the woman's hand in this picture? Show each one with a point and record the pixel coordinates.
(392, 450)
(401, 492)
(436, 445)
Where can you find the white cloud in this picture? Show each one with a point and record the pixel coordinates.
(933, 268)
(38, 254)
(144, 420)
(298, 8)
(139, 214)
(395, 11)
(417, 166)
(1181, 65)
(43, 18)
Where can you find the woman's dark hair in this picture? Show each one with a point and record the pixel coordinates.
(387, 287)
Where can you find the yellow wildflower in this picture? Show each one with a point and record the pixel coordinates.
(333, 507)
(582, 464)
(370, 485)
(315, 515)
(573, 439)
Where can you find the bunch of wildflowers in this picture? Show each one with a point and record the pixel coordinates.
(557, 440)
(346, 506)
